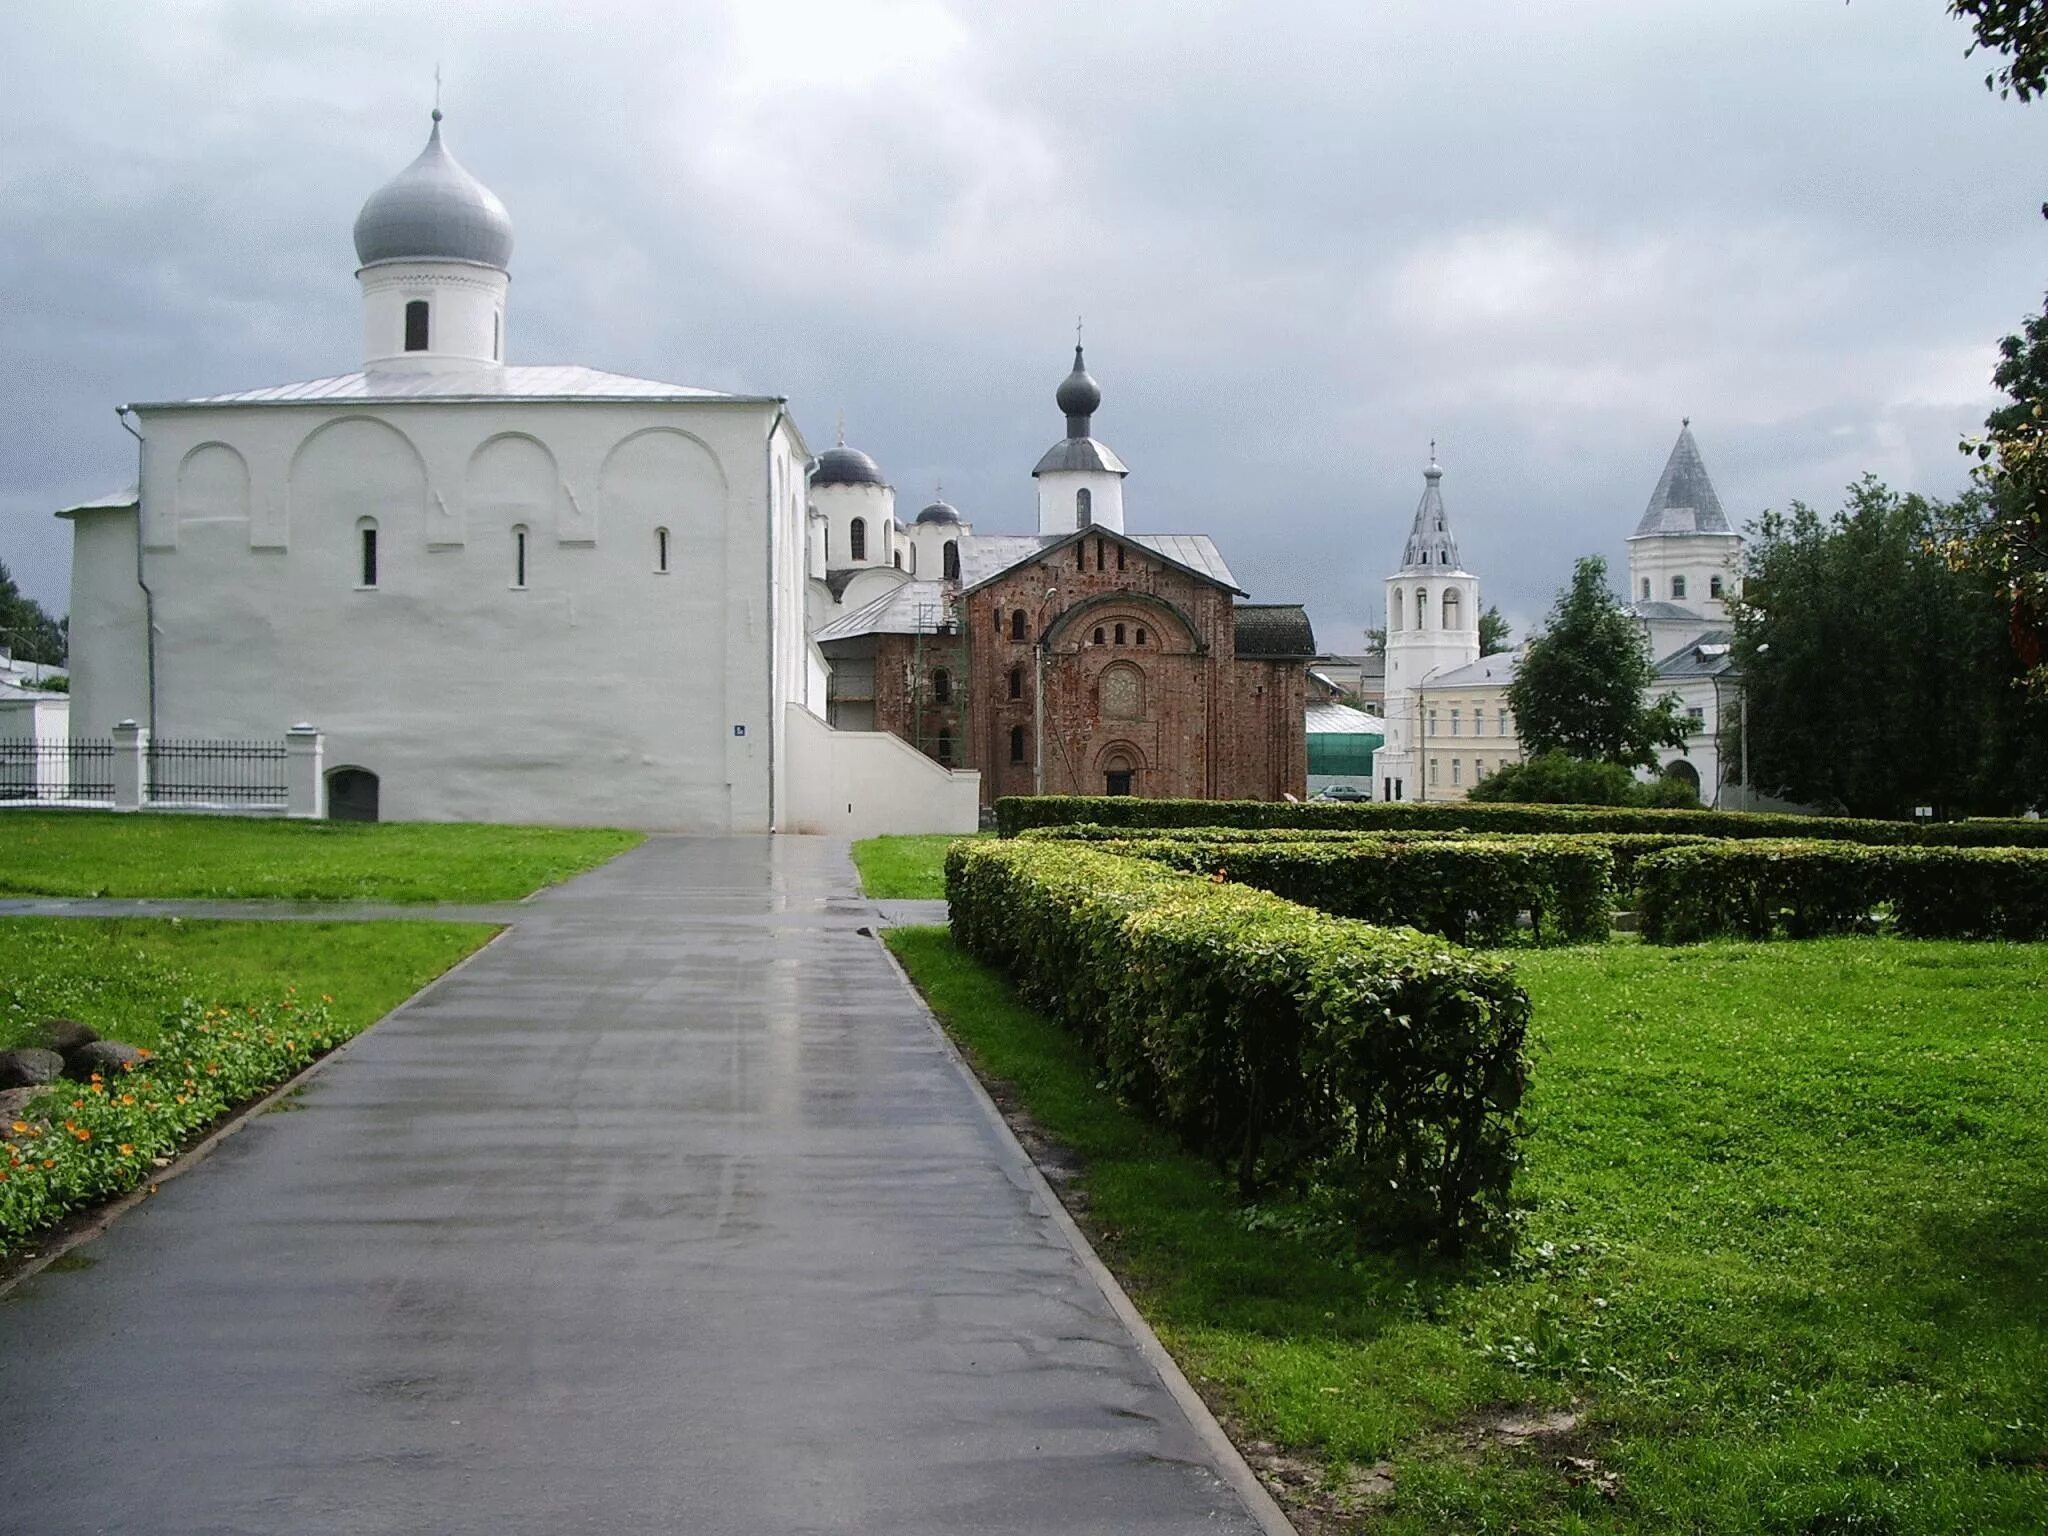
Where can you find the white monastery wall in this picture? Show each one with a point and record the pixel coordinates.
(109, 659)
(872, 783)
(603, 690)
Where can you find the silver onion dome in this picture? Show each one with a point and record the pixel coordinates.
(434, 210)
(939, 512)
(846, 466)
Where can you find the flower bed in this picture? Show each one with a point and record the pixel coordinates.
(79, 1143)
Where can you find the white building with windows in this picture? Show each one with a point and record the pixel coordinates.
(503, 592)
(1449, 723)
(1432, 608)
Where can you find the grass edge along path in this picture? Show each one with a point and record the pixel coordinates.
(906, 866)
(155, 856)
(226, 1011)
(1722, 1338)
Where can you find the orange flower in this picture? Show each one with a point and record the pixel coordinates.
(325, 998)
(49, 1162)
(143, 1051)
(127, 1149)
(22, 1126)
(82, 1134)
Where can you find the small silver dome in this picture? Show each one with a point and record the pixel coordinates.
(939, 512)
(434, 210)
(846, 466)
(1078, 396)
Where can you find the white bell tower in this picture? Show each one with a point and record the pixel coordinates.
(1432, 615)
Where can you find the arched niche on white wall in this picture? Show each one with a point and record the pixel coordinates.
(352, 468)
(213, 486)
(512, 478)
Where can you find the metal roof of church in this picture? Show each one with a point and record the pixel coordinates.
(1274, 630)
(1431, 544)
(1710, 655)
(1684, 501)
(1661, 610)
(1486, 672)
(984, 556)
(1342, 720)
(513, 382)
(896, 612)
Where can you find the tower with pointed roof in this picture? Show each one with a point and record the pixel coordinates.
(1080, 480)
(1683, 559)
(1432, 614)
(435, 247)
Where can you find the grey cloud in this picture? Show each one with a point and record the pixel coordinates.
(1307, 241)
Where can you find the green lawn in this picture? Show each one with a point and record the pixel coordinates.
(123, 976)
(905, 868)
(90, 854)
(1786, 1254)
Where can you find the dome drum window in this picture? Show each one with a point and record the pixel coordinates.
(416, 336)
(857, 539)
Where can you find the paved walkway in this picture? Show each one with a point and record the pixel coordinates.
(669, 1212)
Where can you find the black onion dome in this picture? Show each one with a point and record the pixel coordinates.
(1079, 395)
(846, 466)
(939, 512)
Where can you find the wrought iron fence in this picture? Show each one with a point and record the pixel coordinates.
(56, 771)
(217, 772)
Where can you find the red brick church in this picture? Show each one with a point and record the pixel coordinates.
(1082, 659)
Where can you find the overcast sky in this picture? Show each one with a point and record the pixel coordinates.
(1307, 239)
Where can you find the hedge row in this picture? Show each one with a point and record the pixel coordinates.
(1016, 812)
(1472, 890)
(1625, 847)
(1382, 1070)
(1804, 889)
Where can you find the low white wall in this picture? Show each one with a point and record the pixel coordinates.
(870, 783)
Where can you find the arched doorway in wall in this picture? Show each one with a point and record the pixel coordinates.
(1119, 766)
(351, 795)
(1684, 772)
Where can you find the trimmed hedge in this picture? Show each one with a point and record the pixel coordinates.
(1016, 812)
(1471, 890)
(1625, 847)
(1803, 889)
(1380, 1070)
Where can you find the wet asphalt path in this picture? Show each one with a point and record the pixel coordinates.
(669, 1212)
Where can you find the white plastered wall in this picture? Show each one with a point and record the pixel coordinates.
(604, 692)
(109, 659)
(872, 784)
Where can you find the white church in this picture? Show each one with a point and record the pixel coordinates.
(1448, 720)
(500, 591)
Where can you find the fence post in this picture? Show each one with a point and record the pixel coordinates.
(305, 792)
(131, 766)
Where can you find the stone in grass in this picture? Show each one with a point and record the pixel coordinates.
(14, 1104)
(27, 1066)
(106, 1057)
(64, 1035)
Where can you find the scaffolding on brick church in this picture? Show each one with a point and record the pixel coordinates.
(933, 620)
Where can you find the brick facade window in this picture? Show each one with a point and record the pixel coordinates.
(1016, 682)
(942, 686)
(1119, 634)
(1141, 634)
(1100, 635)
(1016, 743)
(946, 747)
(1017, 623)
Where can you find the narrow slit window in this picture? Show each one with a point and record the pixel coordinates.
(1141, 634)
(857, 539)
(1017, 622)
(1101, 562)
(416, 325)
(1016, 682)
(1016, 743)
(1084, 508)
(519, 557)
(661, 550)
(1119, 557)
(942, 687)
(368, 542)
(1119, 634)
(1100, 639)
(946, 748)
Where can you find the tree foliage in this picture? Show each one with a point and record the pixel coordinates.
(1554, 778)
(26, 628)
(2017, 29)
(1494, 633)
(1583, 684)
(1877, 669)
(2003, 535)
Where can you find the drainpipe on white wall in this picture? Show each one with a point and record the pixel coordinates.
(774, 628)
(121, 413)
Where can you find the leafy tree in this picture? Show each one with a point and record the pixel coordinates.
(1556, 778)
(26, 628)
(1375, 642)
(2018, 29)
(1878, 670)
(1494, 633)
(1583, 684)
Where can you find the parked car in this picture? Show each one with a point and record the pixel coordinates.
(1340, 792)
